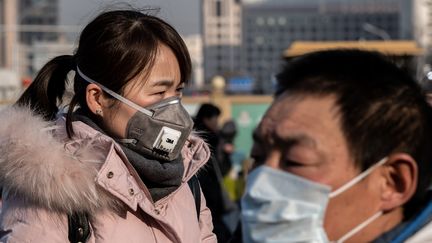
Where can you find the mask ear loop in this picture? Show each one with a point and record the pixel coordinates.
(350, 184)
(357, 179)
(115, 95)
(359, 227)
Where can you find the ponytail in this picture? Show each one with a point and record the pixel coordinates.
(47, 90)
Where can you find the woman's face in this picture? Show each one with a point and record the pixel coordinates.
(163, 82)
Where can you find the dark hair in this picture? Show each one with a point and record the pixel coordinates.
(228, 131)
(207, 110)
(113, 49)
(383, 110)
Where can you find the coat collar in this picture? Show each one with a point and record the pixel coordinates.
(40, 164)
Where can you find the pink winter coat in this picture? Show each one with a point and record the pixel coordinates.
(45, 175)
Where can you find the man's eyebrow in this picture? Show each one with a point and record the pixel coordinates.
(295, 139)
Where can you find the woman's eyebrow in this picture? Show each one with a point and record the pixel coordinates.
(167, 83)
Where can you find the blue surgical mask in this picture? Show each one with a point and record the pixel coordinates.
(282, 207)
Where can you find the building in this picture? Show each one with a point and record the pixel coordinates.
(195, 47)
(23, 23)
(38, 12)
(270, 26)
(42, 52)
(406, 54)
(8, 37)
(221, 31)
(422, 12)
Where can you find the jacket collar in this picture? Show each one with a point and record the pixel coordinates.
(40, 164)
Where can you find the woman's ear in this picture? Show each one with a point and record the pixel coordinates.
(95, 99)
(400, 175)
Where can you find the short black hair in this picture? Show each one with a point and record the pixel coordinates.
(207, 110)
(383, 110)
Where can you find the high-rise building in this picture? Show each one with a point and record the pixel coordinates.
(422, 10)
(2, 35)
(270, 26)
(194, 45)
(24, 23)
(38, 12)
(221, 31)
(8, 37)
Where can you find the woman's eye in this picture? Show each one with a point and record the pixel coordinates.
(180, 89)
(159, 93)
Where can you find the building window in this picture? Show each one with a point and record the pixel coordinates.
(260, 21)
(259, 40)
(282, 20)
(218, 8)
(271, 21)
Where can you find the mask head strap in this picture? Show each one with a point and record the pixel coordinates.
(115, 95)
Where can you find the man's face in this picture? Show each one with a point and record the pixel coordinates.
(303, 136)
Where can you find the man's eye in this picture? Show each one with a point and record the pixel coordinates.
(289, 163)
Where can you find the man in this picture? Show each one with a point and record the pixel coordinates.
(346, 155)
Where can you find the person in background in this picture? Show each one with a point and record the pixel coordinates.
(234, 179)
(342, 155)
(211, 177)
(207, 124)
(120, 165)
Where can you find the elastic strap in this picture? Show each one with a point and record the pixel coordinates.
(196, 192)
(359, 227)
(114, 94)
(358, 178)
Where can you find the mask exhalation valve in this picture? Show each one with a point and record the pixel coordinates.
(167, 140)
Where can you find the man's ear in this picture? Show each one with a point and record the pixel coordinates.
(400, 174)
(95, 99)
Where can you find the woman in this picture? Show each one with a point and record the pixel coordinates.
(116, 167)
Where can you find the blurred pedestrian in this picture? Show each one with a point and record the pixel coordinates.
(233, 180)
(116, 167)
(211, 177)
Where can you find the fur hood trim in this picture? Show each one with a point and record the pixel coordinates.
(38, 165)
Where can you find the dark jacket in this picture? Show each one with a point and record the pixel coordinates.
(210, 181)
